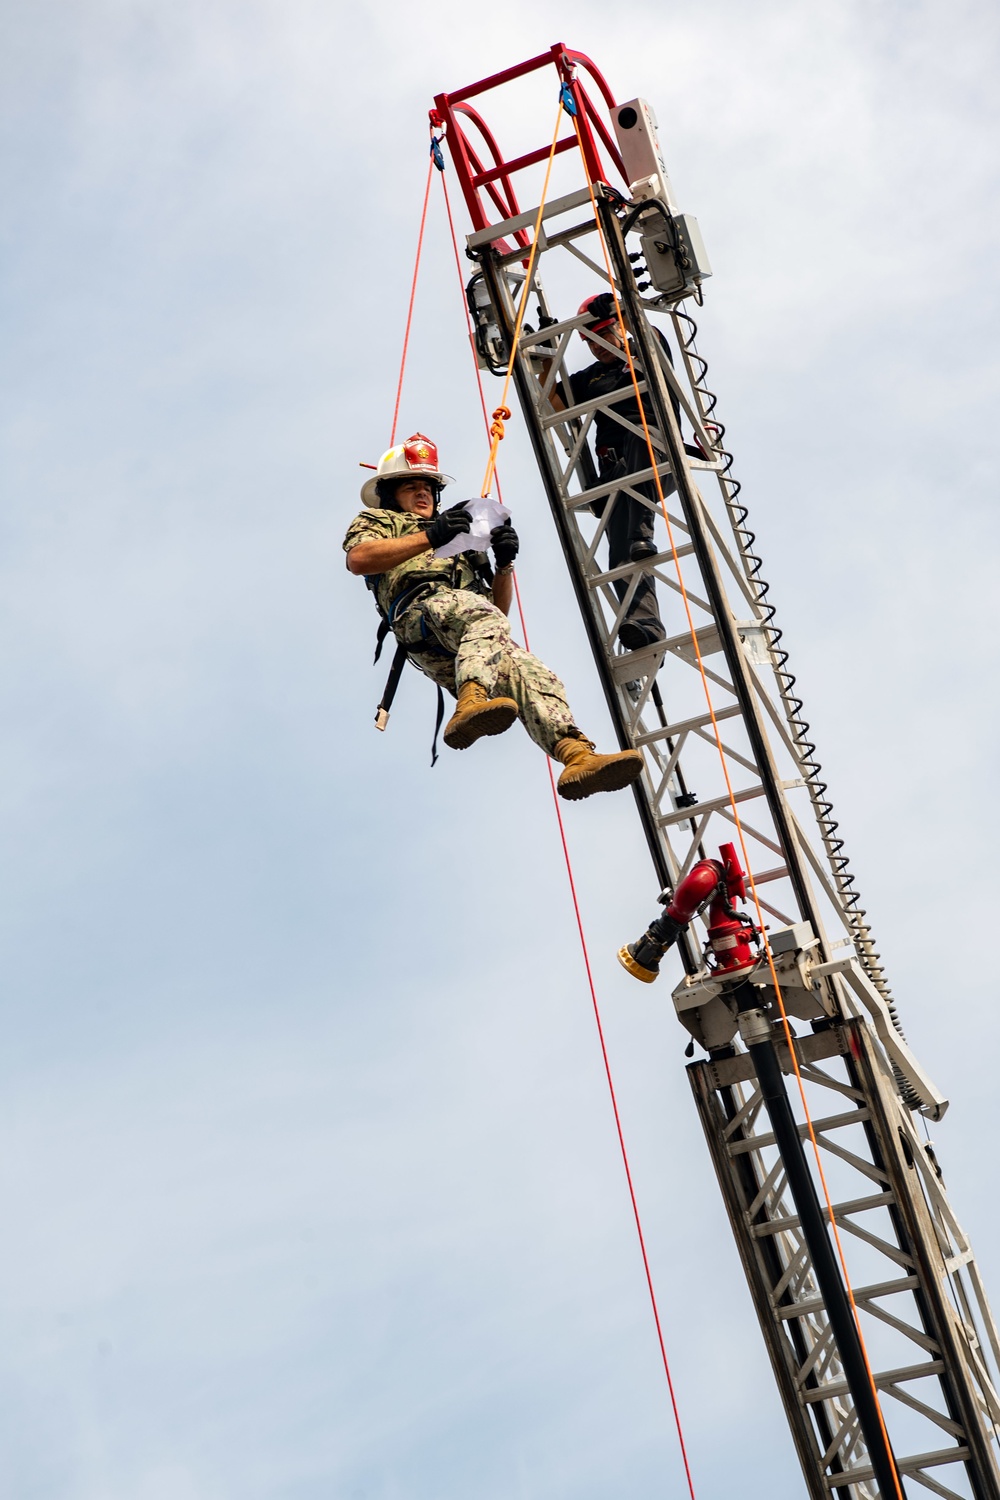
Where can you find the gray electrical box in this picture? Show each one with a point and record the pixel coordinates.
(675, 254)
(694, 256)
(665, 270)
(791, 939)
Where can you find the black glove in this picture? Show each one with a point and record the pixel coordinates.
(450, 523)
(543, 351)
(503, 540)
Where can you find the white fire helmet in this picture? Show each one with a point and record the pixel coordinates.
(417, 458)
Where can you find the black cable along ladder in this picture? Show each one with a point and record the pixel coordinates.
(932, 1345)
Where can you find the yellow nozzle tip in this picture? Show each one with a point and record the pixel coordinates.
(636, 970)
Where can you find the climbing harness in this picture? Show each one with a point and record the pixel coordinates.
(420, 585)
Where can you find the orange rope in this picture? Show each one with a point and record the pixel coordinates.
(468, 325)
(502, 412)
(573, 894)
(736, 817)
(409, 311)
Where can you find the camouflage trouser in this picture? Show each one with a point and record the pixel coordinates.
(479, 634)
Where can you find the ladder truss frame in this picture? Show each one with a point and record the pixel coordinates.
(861, 1080)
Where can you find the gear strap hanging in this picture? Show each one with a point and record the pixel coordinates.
(437, 726)
(392, 683)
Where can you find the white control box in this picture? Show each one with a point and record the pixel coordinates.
(639, 144)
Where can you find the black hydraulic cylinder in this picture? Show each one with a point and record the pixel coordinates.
(825, 1265)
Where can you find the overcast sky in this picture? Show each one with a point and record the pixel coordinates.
(309, 1181)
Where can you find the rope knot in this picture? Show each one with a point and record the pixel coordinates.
(500, 416)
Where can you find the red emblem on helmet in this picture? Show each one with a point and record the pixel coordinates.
(420, 452)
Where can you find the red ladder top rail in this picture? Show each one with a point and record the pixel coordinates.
(477, 178)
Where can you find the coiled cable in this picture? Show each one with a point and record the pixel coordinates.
(853, 912)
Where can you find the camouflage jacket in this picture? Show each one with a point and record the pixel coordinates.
(448, 572)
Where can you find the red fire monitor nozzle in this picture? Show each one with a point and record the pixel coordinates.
(733, 940)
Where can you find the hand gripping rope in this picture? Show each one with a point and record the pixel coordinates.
(735, 815)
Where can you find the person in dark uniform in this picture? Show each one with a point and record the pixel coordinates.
(620, 453)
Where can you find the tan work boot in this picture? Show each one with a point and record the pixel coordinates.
(587, 772)
(477, 715)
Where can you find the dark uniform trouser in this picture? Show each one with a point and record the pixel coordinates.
(629, 522)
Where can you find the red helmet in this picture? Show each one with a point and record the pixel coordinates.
(601, 307)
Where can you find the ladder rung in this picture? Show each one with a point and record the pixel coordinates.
(596, 403)
(865, 1472)
(861, 1294)
(686, 726)
(526, 220)
(840, 1212)
(627, 569)
(887, 1378)
(686, 814)
(766, 876)
(832, 1122)
(641, 476)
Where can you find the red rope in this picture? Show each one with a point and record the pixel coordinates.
(472, 339)
(413, 293)
(618, 1122)
(579, 926)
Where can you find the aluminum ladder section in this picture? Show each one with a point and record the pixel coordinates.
(921, 1304)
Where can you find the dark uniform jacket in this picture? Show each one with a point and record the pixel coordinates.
(599, 380)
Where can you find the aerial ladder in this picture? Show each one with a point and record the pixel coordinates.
(868, 1295)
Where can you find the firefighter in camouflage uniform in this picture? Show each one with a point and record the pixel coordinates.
(450, 613)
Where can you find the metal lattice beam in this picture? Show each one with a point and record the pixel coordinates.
(920, 1304)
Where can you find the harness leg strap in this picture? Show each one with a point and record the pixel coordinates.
(437, 728)
(392, 683)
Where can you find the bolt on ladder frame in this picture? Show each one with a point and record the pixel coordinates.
(928, 1329)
